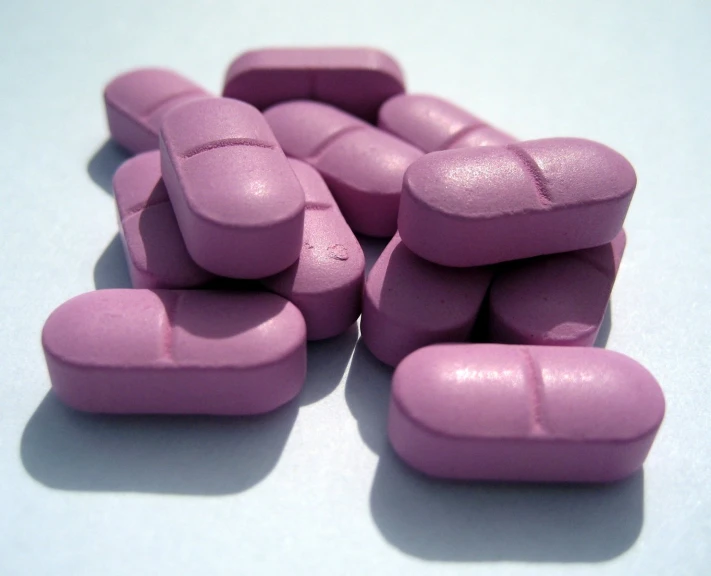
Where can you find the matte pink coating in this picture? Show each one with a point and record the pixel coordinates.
(137, 101)
(326, 281)
(478, 206)
(176, 352)
(431, 123)
(238, 203)
(155, 251)
(556, 300)
(523, 413)
(362, 166)
(409, 303)
(357, 80)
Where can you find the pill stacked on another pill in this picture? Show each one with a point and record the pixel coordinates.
(267, 185)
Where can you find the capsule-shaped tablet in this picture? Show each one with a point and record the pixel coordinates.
(362, 166)
(239, 205)
(357, 80)
(409, 303)
(326, 281)
(176, 352)
(431, 123)
(137, 101)
(523, 413)
(556, 300)
(478, 206)
(155, 251)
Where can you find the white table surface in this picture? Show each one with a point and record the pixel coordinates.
(314, 488)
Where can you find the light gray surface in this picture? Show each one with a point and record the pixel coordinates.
(314, 489)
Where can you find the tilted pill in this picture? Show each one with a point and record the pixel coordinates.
(362, 166)
(137, 101)
(357, 80)
(326, 281)
(523, 413)
(238, 203)
(478, 206)
(176, 352)
(409, 303)
(431, 123)
(154, 247)
(556, 300)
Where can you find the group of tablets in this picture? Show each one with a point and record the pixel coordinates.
(267, 185)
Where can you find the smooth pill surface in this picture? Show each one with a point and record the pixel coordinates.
(155, 251)
(523, 413)
(409, 303)
(326, 281)
(137, 101)
(431, 123)
(362, 166)
(176, 352)
(478, 206)
(357, 80)
(556, 300)
(239, 205)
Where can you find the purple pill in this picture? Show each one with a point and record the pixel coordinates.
(523, 413)
(362, 166)
(238, 203)
(357, 80)
(176, 352)
(556, 300)
(137, 101)
(479, 206)
(409, 303)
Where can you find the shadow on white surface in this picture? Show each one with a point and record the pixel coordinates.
(604, 334)
(104, 163)
(372, 248)
(111, 270)
(327, 361)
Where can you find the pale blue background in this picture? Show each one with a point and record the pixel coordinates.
(314, 489)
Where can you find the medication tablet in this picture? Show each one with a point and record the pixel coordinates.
(357, 80)
(176, 352)
(137, 101)
(478, 206)
(154, 247)
(238, 203)
(362, 166)
(556, 300)
(523, 413)
(409, 303)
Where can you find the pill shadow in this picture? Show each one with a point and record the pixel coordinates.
(192, 455)
(604, 334)
(111, 270)
(372, 248)
(104, 162)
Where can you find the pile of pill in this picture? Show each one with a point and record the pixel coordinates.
(267, 186)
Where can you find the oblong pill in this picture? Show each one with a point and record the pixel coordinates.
(556, 300)
(478, 206)
(362, 166)
(155, 250)
(432, 123)
(357, 80)
(137, 101)
(176, 352)
(409, 303)
(326, 281)
(523, 413)
(238, 203)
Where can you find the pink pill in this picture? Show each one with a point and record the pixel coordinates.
(478, 206)
(556, 300)
(238, 203)
(362, 166)
(409, 303)
(357, 80)
(326, 281)
(137, 101)
(431, 123)
(536, 414)
(176, 352)
(155, 251)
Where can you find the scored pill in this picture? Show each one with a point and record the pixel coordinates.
(523, 413)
